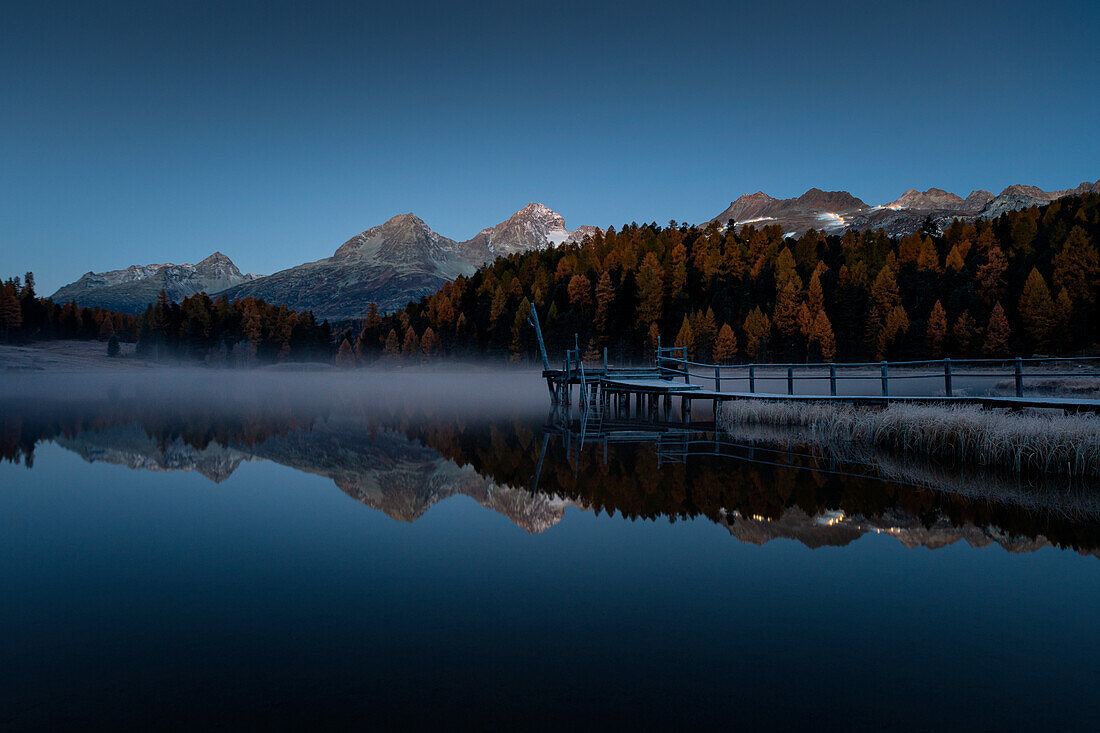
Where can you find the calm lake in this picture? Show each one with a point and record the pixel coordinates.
(202, 548)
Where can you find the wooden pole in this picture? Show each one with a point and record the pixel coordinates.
(885, 380)
(947, 378)
(790, 380)
(1019, 377)
(832, 379)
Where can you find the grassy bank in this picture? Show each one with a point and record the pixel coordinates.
(1023, 441)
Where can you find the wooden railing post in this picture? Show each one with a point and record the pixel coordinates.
(947, 377)
(605, 360)
(790, 380)
(752, 378)
(717, 379)
(832, 380)
(684, 363)
(1019, 377)
(885, 380)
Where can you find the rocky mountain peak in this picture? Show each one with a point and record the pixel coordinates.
(836, 201)
(934, 199)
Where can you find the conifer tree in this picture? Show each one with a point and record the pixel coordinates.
(11, 313)
(678, 276)
(1037, 310)
(935, 336)
(605, 296)
(392, 347)
(653, 337)
(897, 323)
(686, 338)
(822, 342)
(1077, 268)
(650, 290)
(106, 328)
(815, 297)
(429, 343)
(410, 348)
(706, 331)
(345, 357)
(963, 331)
(725, 346)
(997, 333)
(990, 276)
(580, 292)
(955, 259)
(1063, 317)
(929, 258)
(786, 309)
(757, 326)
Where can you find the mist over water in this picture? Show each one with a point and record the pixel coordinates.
(421, 546)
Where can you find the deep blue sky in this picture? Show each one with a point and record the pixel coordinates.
(144, 132)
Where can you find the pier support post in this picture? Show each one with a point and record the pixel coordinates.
(752, 378)
(885, 380)
(832, 380)
(790, 380)
(1019, 377)
(947, 377)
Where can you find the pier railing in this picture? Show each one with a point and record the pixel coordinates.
(673, 363)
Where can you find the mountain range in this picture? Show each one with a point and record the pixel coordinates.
(389, 264)
(132, 289)
(403, 259)
(836, 211)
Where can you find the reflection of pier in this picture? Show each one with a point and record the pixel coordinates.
(676, 443)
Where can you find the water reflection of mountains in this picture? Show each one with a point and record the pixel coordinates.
(402, 462)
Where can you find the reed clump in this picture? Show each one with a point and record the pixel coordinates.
(1021, 441)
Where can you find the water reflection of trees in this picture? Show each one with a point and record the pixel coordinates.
(632, 480)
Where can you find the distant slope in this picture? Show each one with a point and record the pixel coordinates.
(390, 264)
(835, 211)
(400, 261)
(132, 289)
(815, 209)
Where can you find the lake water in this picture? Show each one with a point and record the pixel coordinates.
(198, 548)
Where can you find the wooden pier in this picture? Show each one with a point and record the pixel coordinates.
(607, 392)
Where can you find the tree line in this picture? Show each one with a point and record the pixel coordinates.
(1024, 283)
(199, 328)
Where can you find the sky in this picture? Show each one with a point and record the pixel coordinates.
(133, 133)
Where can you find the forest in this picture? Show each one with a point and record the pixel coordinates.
(199, 328)
(1024, 283)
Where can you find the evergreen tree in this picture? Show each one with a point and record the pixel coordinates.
(650, 290)
(1037, 310)
(706, 331)
(1063, 317)
(410, 348)
(605, 297)
(757, 326)
(997, 333)
(725, 346)
(1077, 268)
(392, 346)
(345, 356)
(936, 334)
(686, 338)
(897, 323)
(821, 340)
(990, 276)
(963, 331)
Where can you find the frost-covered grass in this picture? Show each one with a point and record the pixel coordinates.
(1023, 442)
